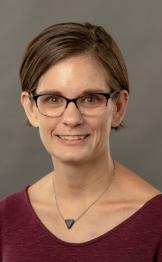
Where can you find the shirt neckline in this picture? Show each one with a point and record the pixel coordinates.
(100, 237)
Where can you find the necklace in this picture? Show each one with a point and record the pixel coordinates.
(70, 221)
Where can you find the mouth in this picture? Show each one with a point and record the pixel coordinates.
(73, 139)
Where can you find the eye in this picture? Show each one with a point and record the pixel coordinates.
(52, 99)
(92, 98)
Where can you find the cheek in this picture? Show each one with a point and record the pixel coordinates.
(46, 131)
(102, 132)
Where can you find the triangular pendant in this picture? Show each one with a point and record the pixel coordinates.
(69, 223)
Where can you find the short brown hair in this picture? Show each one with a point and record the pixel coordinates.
(64, 40)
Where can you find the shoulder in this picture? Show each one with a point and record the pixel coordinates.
(12, 212)
(12, 203)
(133, 185)
(135, 194)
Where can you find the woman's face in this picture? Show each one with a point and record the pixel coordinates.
(72, 77)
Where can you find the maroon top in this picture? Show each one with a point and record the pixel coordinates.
(24, 238)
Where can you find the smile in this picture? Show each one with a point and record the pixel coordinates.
(78, 137)
(72, 140)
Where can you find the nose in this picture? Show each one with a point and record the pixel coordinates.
(71, 115)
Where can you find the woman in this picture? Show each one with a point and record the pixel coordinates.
(90, 207)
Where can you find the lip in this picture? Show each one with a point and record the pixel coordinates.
(72, 142)
(74, 135)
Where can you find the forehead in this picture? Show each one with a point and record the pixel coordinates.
(73, 75)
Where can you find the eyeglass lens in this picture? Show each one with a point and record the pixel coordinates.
(53, 105)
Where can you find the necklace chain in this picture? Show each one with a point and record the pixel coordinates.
(72, 220)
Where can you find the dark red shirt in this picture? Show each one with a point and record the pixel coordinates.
(24, 238)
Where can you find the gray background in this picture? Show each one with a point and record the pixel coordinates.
(137, 28)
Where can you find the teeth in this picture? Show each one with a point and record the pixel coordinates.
(72, 137)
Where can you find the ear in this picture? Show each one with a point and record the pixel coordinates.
(120, 106)
(29, 108)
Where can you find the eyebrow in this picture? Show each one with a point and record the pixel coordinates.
(88, 91)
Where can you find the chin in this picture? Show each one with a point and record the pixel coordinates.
(71, 158)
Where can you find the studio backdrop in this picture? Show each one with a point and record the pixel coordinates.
(136, 27)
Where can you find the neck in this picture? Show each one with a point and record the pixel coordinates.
(82, 182)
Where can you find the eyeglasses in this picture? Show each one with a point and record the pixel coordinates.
(52, 105)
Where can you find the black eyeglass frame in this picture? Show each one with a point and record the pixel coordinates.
(74, 100)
